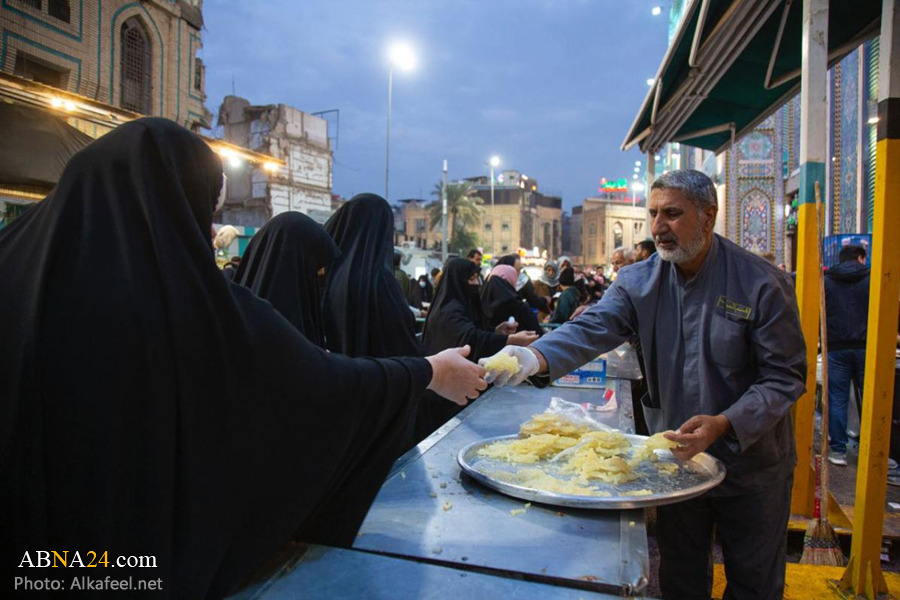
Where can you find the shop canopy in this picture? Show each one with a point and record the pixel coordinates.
(733, 63)
(43, 126)
(35, 147)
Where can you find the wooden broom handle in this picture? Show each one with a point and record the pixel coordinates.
(824, 337)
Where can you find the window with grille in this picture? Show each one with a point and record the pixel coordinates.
(59, 9)
(198, 75)
(35, 69)
(135, 68)
(35, 4)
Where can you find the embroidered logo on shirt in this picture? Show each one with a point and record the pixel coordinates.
(738, 310)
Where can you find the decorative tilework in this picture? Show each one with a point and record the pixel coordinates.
(834, 165)
(846, 186)
(756, 146)
(755, 218)
(754, 205)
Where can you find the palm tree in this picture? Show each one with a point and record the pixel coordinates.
(463, 206)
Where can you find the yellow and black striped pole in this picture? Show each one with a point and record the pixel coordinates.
(863, 575)
(813, 113)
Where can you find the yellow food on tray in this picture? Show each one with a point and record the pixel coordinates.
(667, 469)
(606, 443)
(646, 451)
(541, 480)
(552, 423)
(589, 465)
(592, 457)
(528, 450)
(502, 362)
(658, 442)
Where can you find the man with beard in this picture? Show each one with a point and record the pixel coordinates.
(725, 360)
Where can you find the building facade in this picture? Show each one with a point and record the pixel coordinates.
(144, 57)
(299, 139)
(416, 225)
(607, 225)
(521, 216)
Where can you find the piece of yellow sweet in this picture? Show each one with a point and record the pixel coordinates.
(658, 442)
(502, 362)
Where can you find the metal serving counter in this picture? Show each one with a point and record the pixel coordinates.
(322, 572)
(428, 511)
(434, 533)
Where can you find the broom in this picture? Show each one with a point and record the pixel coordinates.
(820, 544)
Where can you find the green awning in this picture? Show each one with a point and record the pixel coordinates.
(726, 87)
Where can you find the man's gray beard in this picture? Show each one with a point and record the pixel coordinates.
(682, 253)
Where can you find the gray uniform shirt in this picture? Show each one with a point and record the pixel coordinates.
(726, 342)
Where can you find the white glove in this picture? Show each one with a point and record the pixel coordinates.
(528, 366)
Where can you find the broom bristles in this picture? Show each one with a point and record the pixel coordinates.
(821, 545)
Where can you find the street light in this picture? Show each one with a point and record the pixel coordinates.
(656, 11)
(400, 55)
(495, 161)
(651, 81)
(636, 187)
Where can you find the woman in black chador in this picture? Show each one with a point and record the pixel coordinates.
(281, 265)
(453, 320)
(366, 311)
(149, 407)
(499, 301)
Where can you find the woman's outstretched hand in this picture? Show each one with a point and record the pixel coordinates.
(454, 377)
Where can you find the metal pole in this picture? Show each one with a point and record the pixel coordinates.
(444, 216)
(387, 151)
(493, 216)
(813, 112)
(863, 574)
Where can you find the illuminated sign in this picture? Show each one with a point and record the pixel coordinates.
(616, 186)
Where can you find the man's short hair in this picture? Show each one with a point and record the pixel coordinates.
(849, 253)
(647, 246)
(696, 186)
(472, 253)
(627, 253)
(434, 272)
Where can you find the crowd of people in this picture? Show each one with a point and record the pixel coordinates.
(152, 407)
(154, 404)
(172, 393)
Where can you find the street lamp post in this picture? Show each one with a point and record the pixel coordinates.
(494, 162)
(387, 150)
(636, 187)
(444, 216)
(400, 55)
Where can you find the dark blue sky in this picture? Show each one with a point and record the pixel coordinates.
(550, 86)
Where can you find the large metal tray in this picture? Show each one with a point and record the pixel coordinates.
(698, 475)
